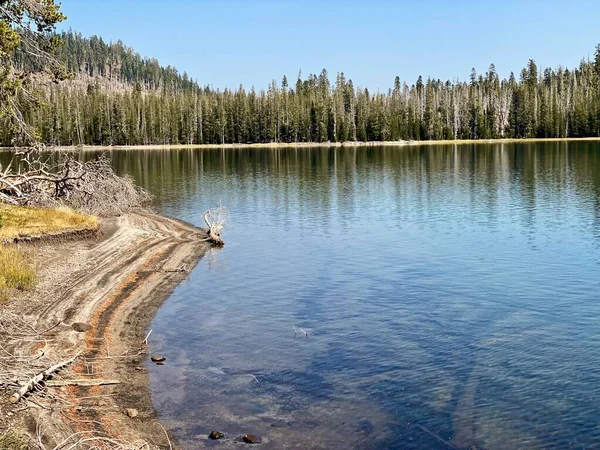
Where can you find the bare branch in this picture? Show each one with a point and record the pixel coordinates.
(33, 179)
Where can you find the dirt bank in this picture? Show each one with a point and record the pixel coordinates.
(114, 282)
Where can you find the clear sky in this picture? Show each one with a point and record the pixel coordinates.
(228, 42)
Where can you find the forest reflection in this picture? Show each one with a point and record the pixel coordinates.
(528, 171)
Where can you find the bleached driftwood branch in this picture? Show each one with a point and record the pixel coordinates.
(40, 377)
(215, 222)
(60, 383)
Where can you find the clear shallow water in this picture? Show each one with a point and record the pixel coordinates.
(450, 294)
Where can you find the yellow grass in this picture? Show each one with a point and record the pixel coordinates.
(16, 270)
(17, 221)
(16, 267)
(13, 440)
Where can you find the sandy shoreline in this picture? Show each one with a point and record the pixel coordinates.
(279, 145)
(114, 282)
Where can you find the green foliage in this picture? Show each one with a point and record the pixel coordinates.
(9, 39)
(42, 14)
(25, 27)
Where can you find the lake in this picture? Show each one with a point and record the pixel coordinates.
(450, 296)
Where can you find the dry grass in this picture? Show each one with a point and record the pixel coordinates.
(18, 221)
(16, 266)
(13, 440)
(16, 270)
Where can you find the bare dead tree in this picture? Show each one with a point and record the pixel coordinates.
(33, 178)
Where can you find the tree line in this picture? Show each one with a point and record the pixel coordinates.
(116, 97)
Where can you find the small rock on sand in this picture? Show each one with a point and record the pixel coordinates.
(81, 327)
(132, 412)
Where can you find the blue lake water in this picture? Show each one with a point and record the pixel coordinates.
(451, 296)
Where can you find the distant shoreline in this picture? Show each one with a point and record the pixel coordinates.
(278, 145)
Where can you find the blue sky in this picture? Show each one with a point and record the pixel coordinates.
(228, 42)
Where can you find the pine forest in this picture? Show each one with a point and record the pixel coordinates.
(115, 97)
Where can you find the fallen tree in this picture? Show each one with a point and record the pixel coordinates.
(35, 178)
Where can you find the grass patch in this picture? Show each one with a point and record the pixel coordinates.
(16, 269)
(17, 221)
(13, 440)
(16, 266)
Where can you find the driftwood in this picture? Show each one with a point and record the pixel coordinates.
(41, 377)
(91, 440)
(215, 222)
(61, 383)
(32, 178)
(296, 331)
(145, 341)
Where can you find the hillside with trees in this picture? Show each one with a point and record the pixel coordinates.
(116, 97)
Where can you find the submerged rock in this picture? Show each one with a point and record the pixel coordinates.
(365, 427)
(216, 435)
(279, 423)
(252, 439)
(158, 358)
(81, 327)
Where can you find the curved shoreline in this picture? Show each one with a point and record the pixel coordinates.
(115, 283)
